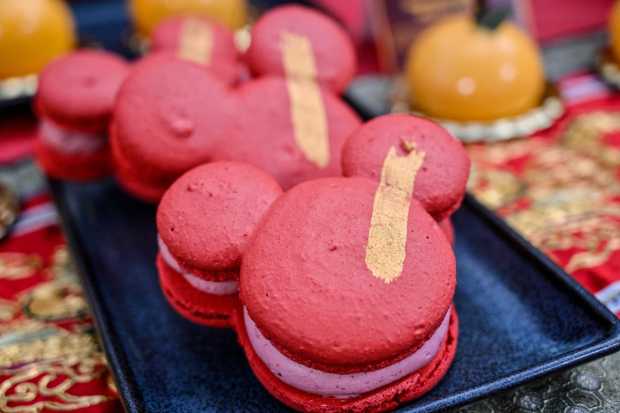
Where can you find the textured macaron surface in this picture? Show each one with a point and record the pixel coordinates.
(208, 215)
(265, 134)
(331, 47)
(78, 90)
(168, 115)
(307, 286)
(441, 182)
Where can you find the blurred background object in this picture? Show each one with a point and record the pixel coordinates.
(32, 33)
(449, 82)
(396, 23)
(147, 14)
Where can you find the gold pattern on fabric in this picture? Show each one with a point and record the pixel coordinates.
(16, 266)
(47, 385)
(563, 194)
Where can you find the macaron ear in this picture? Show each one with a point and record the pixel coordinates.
(387, 236)
(301, 43)
(441, 182)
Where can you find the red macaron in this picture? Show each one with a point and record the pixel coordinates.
(347, 292)
(168, 116)
(442, 179)
(202, 41)
(293, 136)
(204, 222)
(448, 229)
(75, 98)
(296, 41)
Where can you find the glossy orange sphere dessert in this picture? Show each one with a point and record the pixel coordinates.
(32, 33)
(147, 14)
(614, 30)
(462, 71)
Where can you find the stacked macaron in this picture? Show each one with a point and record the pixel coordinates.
(202, 41)
(169, 115)
(441, 182)
(204, 222)
(294, 123)
(347, 293)
(75, 99)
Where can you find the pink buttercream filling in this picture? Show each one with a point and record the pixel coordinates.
(209, 287)
(340, 385)
(68, 141)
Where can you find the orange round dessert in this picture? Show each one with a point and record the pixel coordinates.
(614, 30)
(461, 71)
(27, 26)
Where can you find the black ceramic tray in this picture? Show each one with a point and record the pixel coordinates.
(520, 316)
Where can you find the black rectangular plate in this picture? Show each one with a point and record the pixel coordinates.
(520, 316)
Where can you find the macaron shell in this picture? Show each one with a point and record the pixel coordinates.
(196, 306)
(440, 183)
(306, 285)
(73, 167)
(333, 51)
(448, 229)
(78, 91)
(147, 189)
(166, 137)
(208, 215)
(386, 398)
(265, 136)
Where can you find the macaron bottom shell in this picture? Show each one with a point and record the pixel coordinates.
(386, 398)
(82, 167)
(197, 306)
(135, 186)
(448, 229)
(131, 181)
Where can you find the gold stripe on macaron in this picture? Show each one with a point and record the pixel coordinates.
(307, 110)
(196, 41)
(387, 236)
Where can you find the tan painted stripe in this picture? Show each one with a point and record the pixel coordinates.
(387, 236)
(196, 41)
(307, 110)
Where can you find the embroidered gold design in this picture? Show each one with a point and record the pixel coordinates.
(387, 236)
(30, 341)
(7, 310)
(9, 209)
(307, 110)
(568, 201)
(16, 266)
(196, 41)
(50, 383)
(585, 135)
(57, 300)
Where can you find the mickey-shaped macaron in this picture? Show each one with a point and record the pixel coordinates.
(347, 290)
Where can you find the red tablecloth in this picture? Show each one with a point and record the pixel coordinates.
(49, 357)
